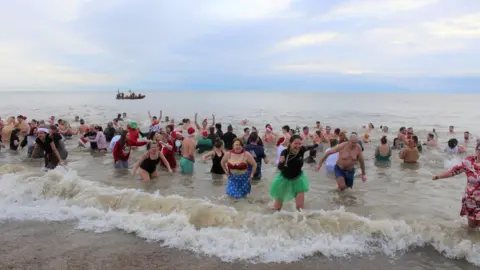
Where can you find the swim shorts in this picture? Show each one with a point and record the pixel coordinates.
(186, 165)
(348, 175)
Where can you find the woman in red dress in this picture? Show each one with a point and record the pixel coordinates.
(471, 199)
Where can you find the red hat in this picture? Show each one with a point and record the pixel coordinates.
(174, 135)
(205, 133)
(190, 130)
(280, 141)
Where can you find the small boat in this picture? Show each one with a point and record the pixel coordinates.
(129, 95)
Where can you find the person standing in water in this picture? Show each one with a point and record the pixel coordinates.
(291, 182)
(471, 198)
(23, 126)
(46, 143)
(121, 152)
(383, 152)
(350, 152)
(402, 137)
(204, 144)
(148, 163)
(228, 138)
(410, 154)
(235, 164)
(258, 154)
(216, 155)
(188, 150)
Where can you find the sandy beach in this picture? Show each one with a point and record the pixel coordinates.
(54, 245)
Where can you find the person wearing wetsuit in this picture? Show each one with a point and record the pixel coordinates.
(291, 182)
(148, 163)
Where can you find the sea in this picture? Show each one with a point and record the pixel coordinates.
(398, 211)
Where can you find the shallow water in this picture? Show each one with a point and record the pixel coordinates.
(398, 209)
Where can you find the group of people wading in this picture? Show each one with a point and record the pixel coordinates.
(240, 158)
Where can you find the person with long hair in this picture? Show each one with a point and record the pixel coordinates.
(471, 198)
(121, 151)
(291, 182)
(235, 164)
(148, 163)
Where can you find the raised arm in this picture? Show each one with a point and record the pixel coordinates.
(149, 116)
(196, 122)
(160, 116)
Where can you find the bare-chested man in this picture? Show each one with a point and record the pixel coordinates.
(188, 150)
(348, 154)
(83, 127)
(317, 126)
(402, 137)
(410, 154)
(306, 135)
(23, 126)
(328, 134)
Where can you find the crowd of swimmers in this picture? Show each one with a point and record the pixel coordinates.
(239, 157)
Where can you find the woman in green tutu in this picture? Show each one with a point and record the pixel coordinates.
(291, 182)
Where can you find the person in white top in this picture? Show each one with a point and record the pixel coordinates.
(332, 159)
(453, 147)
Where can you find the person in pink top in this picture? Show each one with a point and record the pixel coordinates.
(100, 139)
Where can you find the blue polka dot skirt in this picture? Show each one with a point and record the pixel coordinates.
(238, 185)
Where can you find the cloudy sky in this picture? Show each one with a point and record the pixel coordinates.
(360, 45)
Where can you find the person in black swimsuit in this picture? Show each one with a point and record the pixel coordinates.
(148, 163)
(216, 155)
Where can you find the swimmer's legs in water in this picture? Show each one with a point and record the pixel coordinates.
(472, 223)
(147, 176)
(344, 178)
(299, 201)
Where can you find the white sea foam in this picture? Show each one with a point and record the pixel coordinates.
(218, 230)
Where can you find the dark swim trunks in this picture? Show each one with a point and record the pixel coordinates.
(348, 175)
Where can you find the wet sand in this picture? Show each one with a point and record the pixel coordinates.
(53, 245)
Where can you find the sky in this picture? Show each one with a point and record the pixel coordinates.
(302, 45)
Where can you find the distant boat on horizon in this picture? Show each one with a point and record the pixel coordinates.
(131, 95)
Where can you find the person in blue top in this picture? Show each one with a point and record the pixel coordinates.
(258, 153)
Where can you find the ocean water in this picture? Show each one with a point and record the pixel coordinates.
(399, 208)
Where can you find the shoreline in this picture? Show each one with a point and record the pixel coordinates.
(56, 245)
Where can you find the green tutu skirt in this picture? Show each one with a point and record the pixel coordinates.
(283, 189)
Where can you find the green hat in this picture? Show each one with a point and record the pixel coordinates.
(133, 125)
